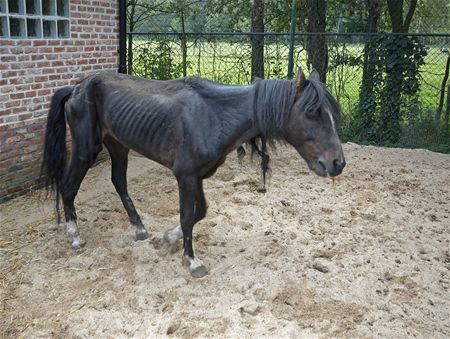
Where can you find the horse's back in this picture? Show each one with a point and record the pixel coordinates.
(128, 83)
(160, 119)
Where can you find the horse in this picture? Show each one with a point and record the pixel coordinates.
(188, 125)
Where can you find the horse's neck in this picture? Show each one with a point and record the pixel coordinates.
(272, 102)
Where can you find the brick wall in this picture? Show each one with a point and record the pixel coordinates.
(30, 72)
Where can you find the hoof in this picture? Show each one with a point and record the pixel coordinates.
(172, 236)
(141, 235)
(198, 272)
(195, 266)
(167, 237)
(78, 243)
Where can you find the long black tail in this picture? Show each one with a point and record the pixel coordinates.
(55, 152)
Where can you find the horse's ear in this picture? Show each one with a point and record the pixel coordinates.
(300, 80)
(314, 75)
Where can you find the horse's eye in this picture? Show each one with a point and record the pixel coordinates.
(312, 113)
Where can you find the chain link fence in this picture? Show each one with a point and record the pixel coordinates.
(403, 102)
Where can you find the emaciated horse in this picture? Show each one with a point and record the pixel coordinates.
(188, 125)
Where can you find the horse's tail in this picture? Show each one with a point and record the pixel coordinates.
(55, 152)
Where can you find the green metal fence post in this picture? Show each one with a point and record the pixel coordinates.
(291, 40)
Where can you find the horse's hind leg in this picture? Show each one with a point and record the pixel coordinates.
(119, 162)
(69, 189)
(173, 235)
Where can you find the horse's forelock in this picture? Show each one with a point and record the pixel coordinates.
(315, 95)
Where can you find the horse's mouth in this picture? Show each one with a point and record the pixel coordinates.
(324, 169)
(318, 168)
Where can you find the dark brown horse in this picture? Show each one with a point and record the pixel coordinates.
(188, 125)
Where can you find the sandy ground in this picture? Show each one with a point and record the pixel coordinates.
(367, 256)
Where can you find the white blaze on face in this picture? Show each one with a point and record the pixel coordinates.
(332, 120)
(333, 125)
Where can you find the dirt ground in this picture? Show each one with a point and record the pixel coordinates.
(366, 256)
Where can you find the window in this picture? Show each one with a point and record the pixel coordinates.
(34, 19)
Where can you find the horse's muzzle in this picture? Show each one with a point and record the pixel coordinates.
(325, 168)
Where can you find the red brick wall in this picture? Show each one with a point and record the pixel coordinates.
(30, 72)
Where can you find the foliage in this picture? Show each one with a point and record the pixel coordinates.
(395, 87)
(425, 132)
(346, 16)
(344, 63)
(234, 15)
(432, 16)
(156, 61)
(351, 16)
(141, 11)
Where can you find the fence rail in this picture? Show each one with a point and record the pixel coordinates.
(226, 58)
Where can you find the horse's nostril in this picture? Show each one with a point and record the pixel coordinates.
(338, 165)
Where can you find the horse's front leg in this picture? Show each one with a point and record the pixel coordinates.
(188, 187)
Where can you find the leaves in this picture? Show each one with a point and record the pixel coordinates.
(395, 83)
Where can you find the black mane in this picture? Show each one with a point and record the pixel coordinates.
(272, 103)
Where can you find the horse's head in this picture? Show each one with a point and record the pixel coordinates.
(311, 126)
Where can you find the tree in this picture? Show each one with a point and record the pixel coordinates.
(432, 16)
(139, 12)
(367, 105)
(257, 40)
(316, 45)
(442, 94)
(395, 10)
(403, 57)
(228, 15)
(346, 16)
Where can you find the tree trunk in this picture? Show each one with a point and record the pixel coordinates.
(257, 40)
(374, 9)
(444, 83)
(316, 45)
(391, 103)
(395, 9)
(447, 114)
(367, 100)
